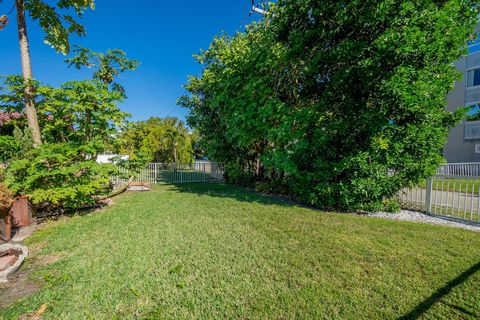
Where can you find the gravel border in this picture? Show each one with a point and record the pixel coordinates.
(415, 216)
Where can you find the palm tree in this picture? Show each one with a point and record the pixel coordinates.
(175, 136)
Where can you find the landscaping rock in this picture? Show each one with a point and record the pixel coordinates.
(15, 255)
(415, 216)
(7, 261)
(139, 186)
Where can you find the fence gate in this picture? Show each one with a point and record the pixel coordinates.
(198, 171)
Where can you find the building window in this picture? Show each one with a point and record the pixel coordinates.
(473, 77)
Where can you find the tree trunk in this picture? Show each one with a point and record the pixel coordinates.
(88, 121)
(30, 110)
(175, 156)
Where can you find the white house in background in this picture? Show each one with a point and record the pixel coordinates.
(107, 158)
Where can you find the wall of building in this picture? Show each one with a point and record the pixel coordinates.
(457, 149)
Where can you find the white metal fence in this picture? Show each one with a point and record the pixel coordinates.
(470, 169)
(454, 196)
(199, 171)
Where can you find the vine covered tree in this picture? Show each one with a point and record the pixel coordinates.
(339, 103)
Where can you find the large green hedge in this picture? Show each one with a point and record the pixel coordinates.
(340, 103)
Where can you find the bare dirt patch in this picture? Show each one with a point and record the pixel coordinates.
(18, 286)
(48, 259)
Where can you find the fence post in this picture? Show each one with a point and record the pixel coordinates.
(155, 168)
(428, 199)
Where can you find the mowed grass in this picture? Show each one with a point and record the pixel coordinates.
(211, 251)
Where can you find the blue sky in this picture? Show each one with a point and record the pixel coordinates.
(161, 34)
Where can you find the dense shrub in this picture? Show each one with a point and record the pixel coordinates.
(343, 101)
(9, 147)
(61, 175)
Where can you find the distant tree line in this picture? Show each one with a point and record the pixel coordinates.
(165, 140)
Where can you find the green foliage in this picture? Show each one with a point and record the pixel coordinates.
(131, 166)
(198, 149)
(77, 111)
(81, 111)
(108, 65)
(79, 120)
(342, 101)
(391, 206)
(15, 146)
(60, 175)
(160, 140)
(23, 138)
(57, 24)
(8, 148)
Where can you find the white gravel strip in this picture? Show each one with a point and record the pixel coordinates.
(415, 216)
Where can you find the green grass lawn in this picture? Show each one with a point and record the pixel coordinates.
(210, 251)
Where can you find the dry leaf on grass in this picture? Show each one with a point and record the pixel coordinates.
(35, 315)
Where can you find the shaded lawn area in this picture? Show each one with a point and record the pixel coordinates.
(210, 251)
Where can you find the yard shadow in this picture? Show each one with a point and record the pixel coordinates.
(221, 190)
(425, 305)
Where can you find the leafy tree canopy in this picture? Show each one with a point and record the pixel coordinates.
(79, 120)
(160, 139)
(57, 22)
(77, 111)
(340, 103)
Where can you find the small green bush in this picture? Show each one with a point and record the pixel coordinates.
(61, 175)
(14, 147)
(391, 205)
(8, 148)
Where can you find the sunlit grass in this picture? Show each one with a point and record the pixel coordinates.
(210, 251)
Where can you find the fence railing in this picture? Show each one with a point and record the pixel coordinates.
(199, 171)
(454, 196)
(470, 169)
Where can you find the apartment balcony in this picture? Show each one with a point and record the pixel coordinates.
(472, 95)
(472, 130)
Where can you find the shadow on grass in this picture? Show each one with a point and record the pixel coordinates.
(423, 307)
(221, 190)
